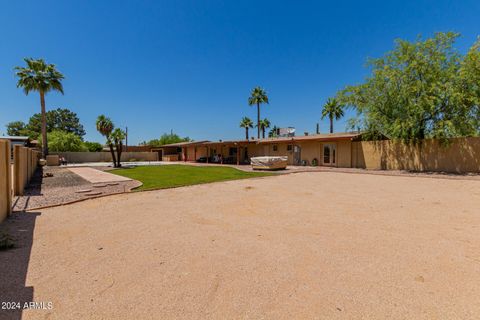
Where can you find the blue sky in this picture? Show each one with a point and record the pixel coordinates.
(189, 65)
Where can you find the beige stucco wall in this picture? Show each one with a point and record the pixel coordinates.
(25, 161)
(192, 155)
(5, 180)
(461, 155)
(309, 150)
(81, 157)
(344, 154)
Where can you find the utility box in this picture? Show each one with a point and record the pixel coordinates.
(53, 160)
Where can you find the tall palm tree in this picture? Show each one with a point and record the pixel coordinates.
(105, 126)
(41, 77)
(333, 110)
(257, 97)
(264, 124)
(246, 123)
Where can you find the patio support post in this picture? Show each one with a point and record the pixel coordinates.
(185, 154)
(238, 155)
(221, 154)
(194, 153)
(208, 154)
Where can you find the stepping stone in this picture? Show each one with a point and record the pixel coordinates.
(83, 190)
(95, 193)
(99, 185)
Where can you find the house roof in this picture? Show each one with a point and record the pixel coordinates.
(21, 138)
(315, 137)
(182, 144)
(231, 142)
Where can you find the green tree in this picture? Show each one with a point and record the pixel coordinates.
(93, 146)
(43, 78)
(105, 126)
(333, 110)
(247, 124)
(264, 124)
(354, 124)
(470, 83)
(58, 119)
(17, 128)
(167, 138)
(60, 141)
(257, 97)
(273, 133)
(421, 89)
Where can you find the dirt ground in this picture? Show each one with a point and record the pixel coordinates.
(299, 246)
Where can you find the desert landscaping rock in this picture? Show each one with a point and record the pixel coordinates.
(62, 188)
(83, 190)
(95, 193)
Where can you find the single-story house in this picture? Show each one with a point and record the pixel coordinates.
(321, 149)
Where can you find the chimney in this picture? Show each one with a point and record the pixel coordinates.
(318, 128)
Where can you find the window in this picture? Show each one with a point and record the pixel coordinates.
(232, 152)
(289, 147)
(275, 147)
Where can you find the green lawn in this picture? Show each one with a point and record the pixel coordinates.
(169, 176)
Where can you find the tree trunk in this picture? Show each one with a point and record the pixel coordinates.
(119, 154)
(44, 125)
(114, 160)
(263, 132)
(258, 120)
(246, 133)
(331, 124)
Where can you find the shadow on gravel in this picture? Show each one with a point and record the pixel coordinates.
(14, 263)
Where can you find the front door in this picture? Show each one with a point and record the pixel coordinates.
(329, 154)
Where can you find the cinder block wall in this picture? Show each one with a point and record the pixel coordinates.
(5, 180)
(25, 162)
(461, 155)
(82, 157)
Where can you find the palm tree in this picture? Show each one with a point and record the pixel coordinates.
(43, 78)
(257, 97)
(118, 135)
(333, 110)
(264, 124)
(246, 123)
(105, 126)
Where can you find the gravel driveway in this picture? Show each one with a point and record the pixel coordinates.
(301, 246)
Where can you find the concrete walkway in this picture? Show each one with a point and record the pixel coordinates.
(97, 176)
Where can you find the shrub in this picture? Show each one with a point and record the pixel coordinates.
(93, 146)
(60, 141)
